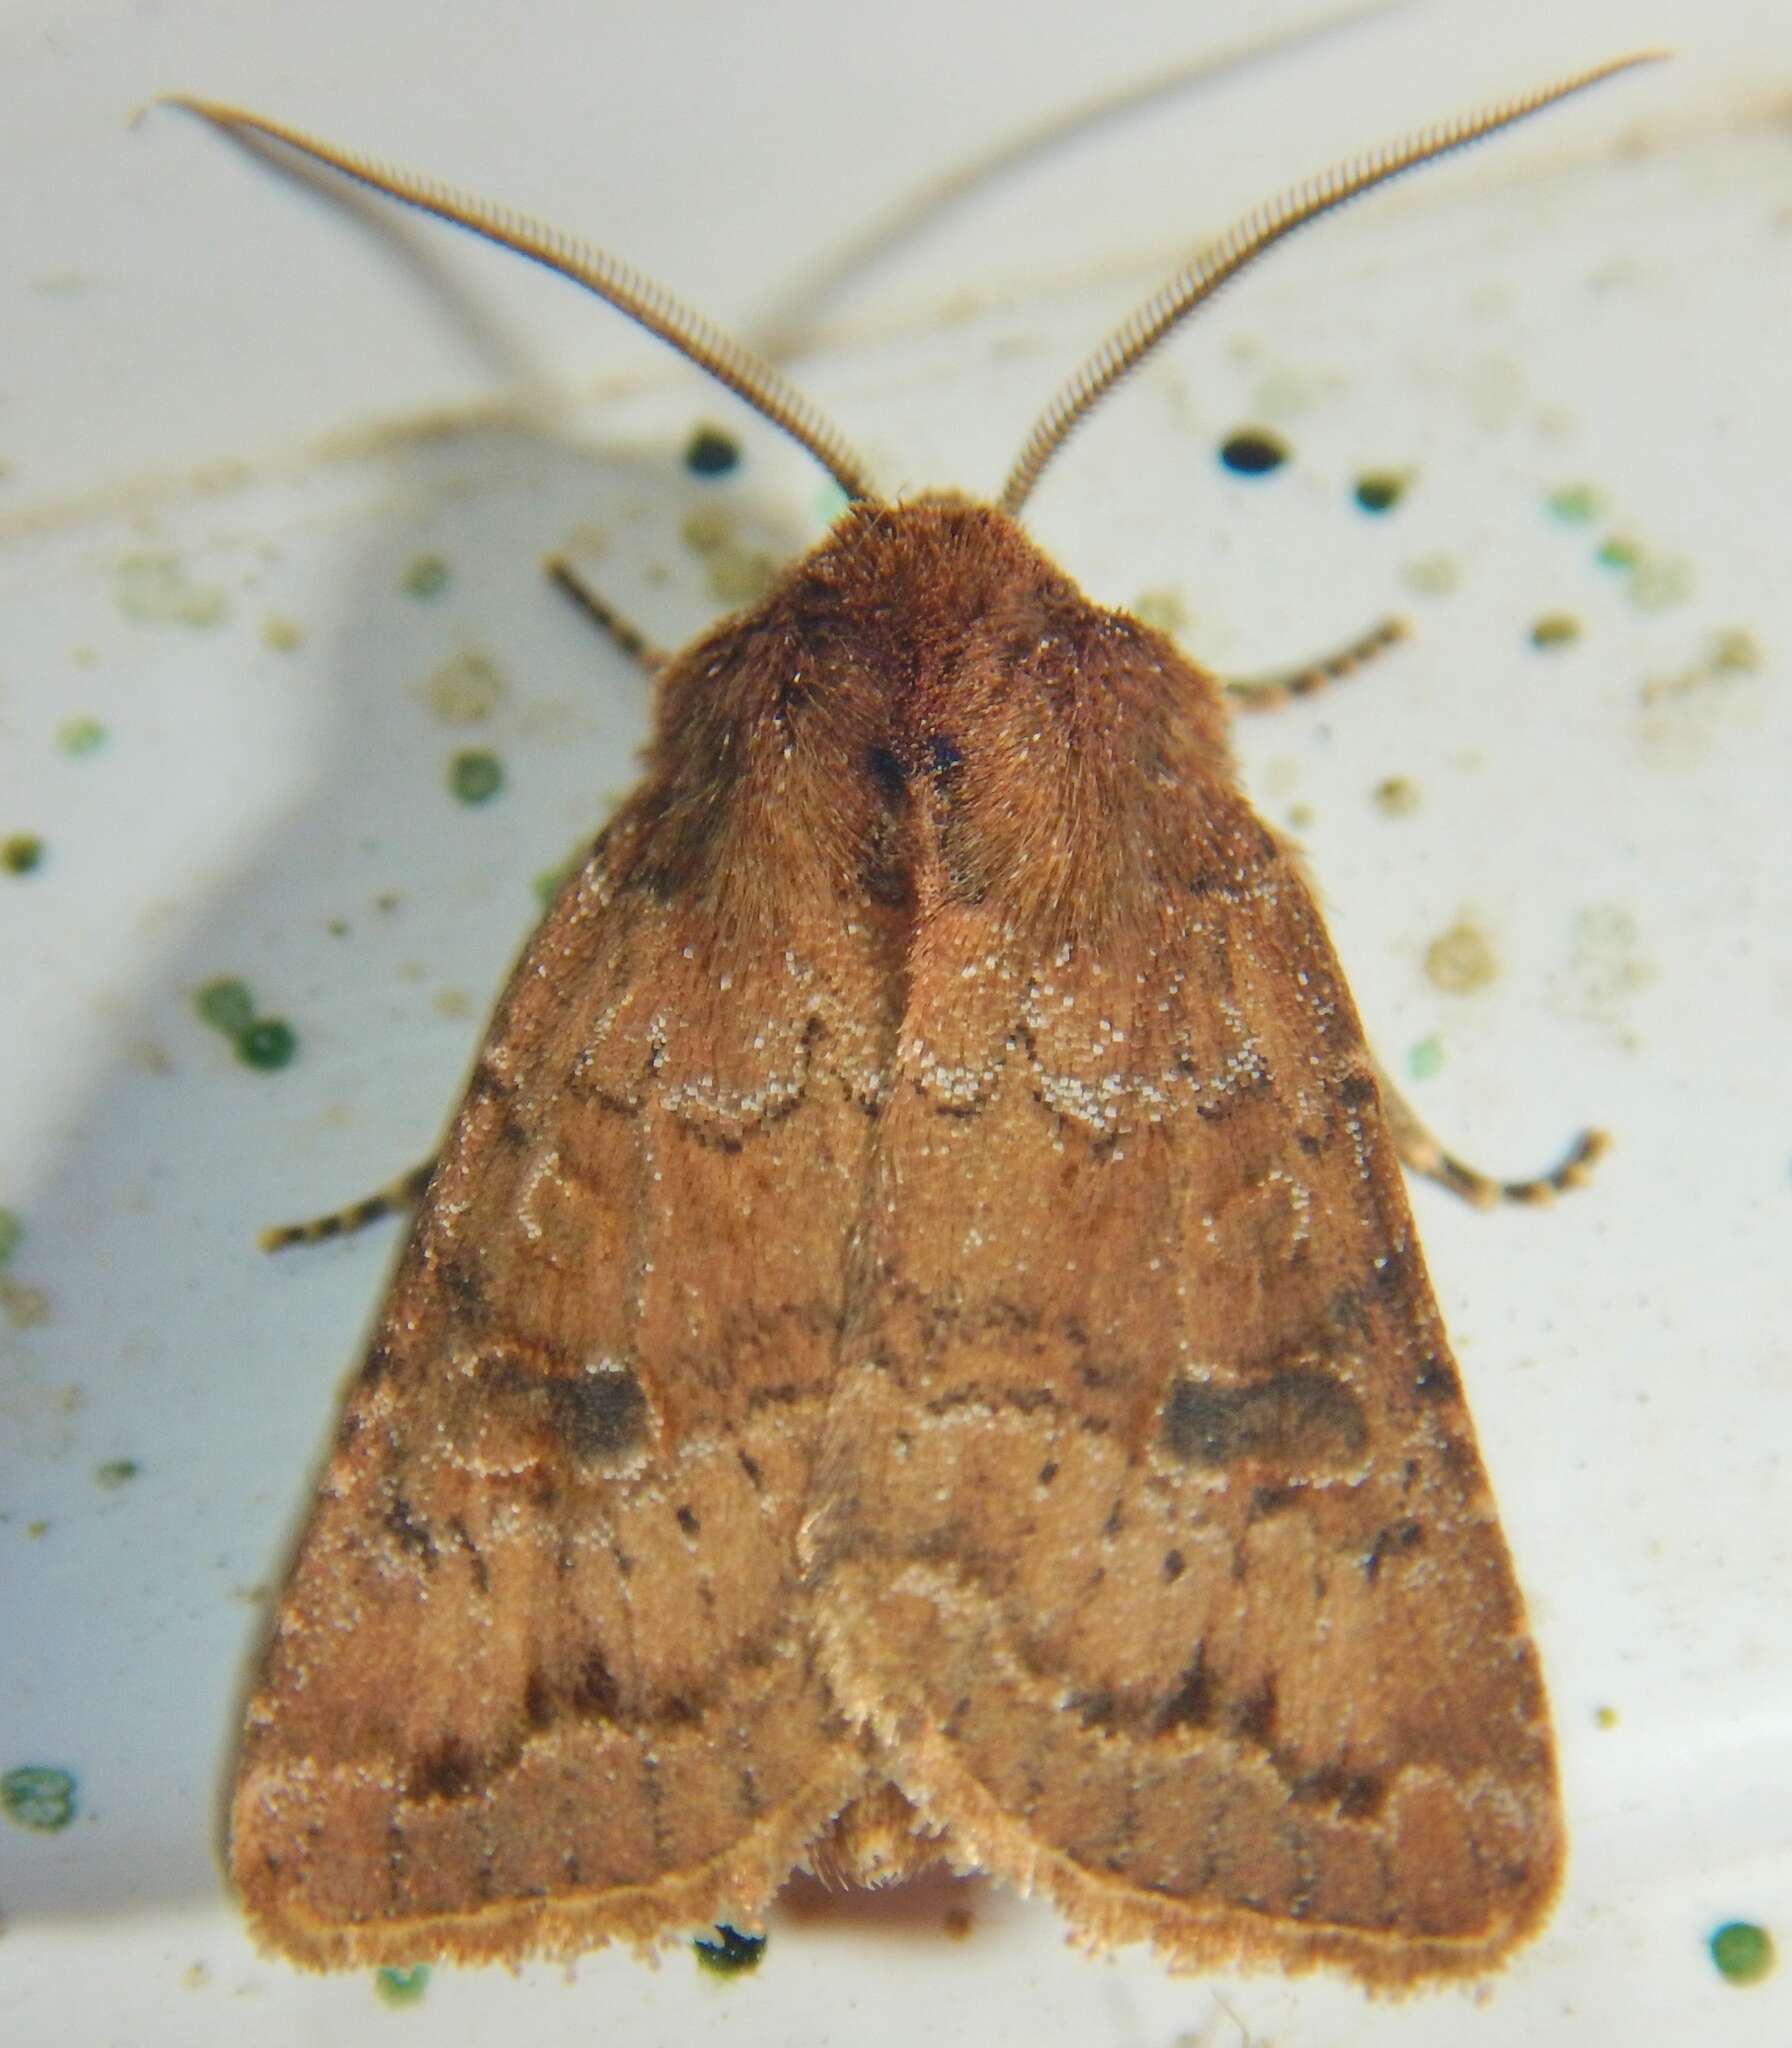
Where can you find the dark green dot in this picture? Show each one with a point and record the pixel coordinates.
(1397, 796)
(115, 1472)
(1555, 629)
(76, 736)
(476, 775)
(268, 1044)
(1620, 552)
(1379, 492)
(21, 853)
(1575, 504)
(1742, 1952)
(226, 1005)
(731, 1954)
(11, 1230)
(39, 1797)
(426, 577)
(1253, 453)
(401, 1987)
(710, 452)
(548, 882)
(1426, 1059)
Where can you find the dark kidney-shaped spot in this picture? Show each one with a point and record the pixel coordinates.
(448, 1771)
(1297, 1419)
(600, 1414)
(597, 1416)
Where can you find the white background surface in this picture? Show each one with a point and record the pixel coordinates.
(289, 397)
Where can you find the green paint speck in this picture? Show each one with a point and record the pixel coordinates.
(1397, 796)
(21, 853)
(115, 1472)
(1431, 575)
(1736, 651)
(1426, 1059)
(1284, 392)
(38, 1796)
(1380, 491)
(268, 1044)
(1461, 961)
(1555, 629)
(78, 736)
(1575, 504)
(24, 1307)
(1253, 452)
(475, 775)
(428, 576)
(736, 575)
(11, 1230)
(547, 883)
(731, 1954)
(710, 452)
(1162, 609)
(1657, 581)
(466, 689)
(156, 589)
(706, 529)
(226, 1005)
(1742, 1952)
(1661, 581)
(399, 1988)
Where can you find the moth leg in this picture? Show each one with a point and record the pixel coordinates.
(629, 638)
(1271, 692)
(1420, 1152)
(403, 1193)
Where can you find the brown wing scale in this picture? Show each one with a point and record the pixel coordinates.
(541, 1675)
(1150, 1535)
(916, 1333)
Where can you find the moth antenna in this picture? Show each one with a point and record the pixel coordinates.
(730, 362)
(1132, 341)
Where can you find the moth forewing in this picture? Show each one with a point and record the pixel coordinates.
(915, 1344)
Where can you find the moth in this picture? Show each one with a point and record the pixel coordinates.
(914, 1347)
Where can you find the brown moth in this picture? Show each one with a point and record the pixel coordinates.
(914, 1348)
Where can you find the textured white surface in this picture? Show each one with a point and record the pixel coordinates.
(212, 366)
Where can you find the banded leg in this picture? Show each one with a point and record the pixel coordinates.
(1420, 1152)
(403, 1193)
(623, 634)
(407, 1190)
(1271, 692)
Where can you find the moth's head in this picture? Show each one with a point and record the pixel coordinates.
(939, 561)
